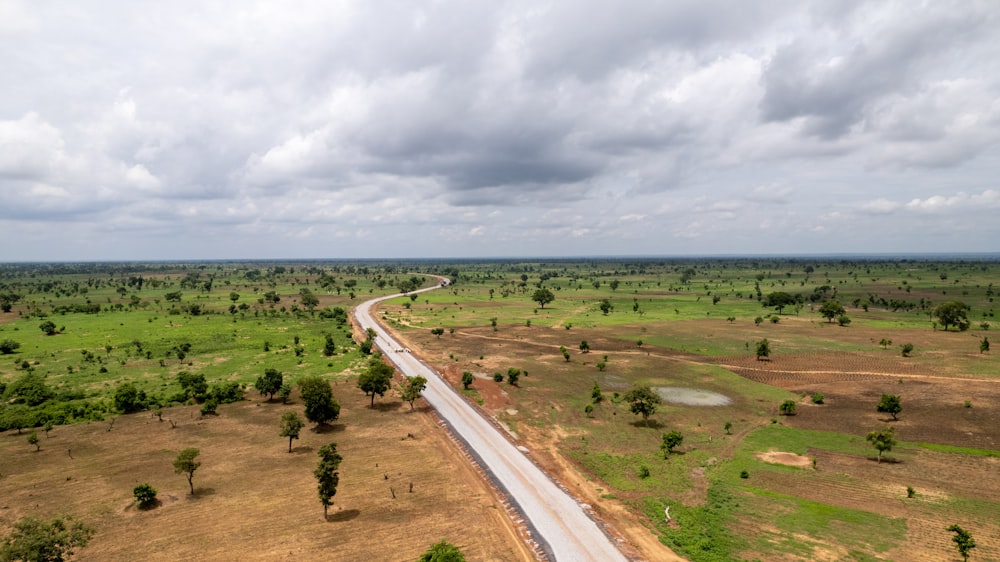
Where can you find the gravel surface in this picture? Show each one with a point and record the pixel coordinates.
(559, 524)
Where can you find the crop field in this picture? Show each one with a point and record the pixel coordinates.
(747, 482)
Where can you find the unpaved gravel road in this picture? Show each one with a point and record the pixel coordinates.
(560, 525)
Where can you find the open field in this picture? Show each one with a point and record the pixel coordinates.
(666, 334)
(253, 499)
(672, 325)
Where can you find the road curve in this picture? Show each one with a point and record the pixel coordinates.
(559, 523)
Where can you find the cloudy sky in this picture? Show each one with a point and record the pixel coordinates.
(211, 129)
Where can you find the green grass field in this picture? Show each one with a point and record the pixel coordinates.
(230, 321)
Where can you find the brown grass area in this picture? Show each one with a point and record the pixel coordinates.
(253, 499)
(934, 384)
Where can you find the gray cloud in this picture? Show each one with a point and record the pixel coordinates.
(394, 128)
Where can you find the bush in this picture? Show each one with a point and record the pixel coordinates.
(906, 349)
(145, 496)
(744, 474)
(226, 393)
(498, 377)
(209, 407)
(787, 408)
(817, 398)
(442, 552)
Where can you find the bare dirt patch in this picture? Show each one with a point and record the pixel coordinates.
(787, 459)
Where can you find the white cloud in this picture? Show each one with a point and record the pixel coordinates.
(446, 127)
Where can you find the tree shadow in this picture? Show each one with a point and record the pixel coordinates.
(201, 493)
(328, 428)
(149, 506)
(345, 515)
(885, 460)
(651, 424)
(302, 449)
(388, 406)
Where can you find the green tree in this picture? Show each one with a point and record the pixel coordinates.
(831, 310)
(984, 345)
(779, 300)
(952, 313)
(317, 396)
(29, 388)
(185, 464)
(671, 440)
(193, 385)
(8, 346)
(327, 475)
(787, 408)
(614, 284)
(412, 389)
(210, 407)
(963, 540)
(437, 331)
(642, 401)
(308, 299)
(728, 426)
(595, 393)
(543, 297)
(128, 398)
(33, 440)
(763, 349)
(329, 348)
(467, 378)
(906, 349)
(291, 425)
(35, 540)
(513, 374)
(7, 301)
(145, 495)
(885, 343)
(606, 306)
(442, 551)
(269, 383)
(882, 441)
(584, 347)
(889, 404)
(376, 379)
(48, 327)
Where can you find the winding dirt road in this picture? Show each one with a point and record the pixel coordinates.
(558, 523)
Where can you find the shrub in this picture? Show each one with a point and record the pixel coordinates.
(498, 377)
(209, 407)
(817, 398)
(145, 496)
(787, 408)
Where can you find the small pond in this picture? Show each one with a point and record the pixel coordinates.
(691, 396)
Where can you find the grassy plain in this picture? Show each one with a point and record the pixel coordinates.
(253, 499)
(691, 324)
(674, 323)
